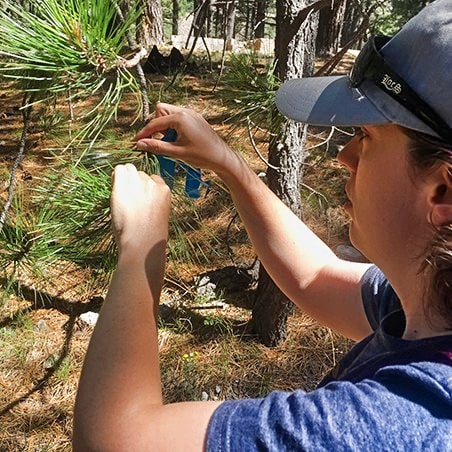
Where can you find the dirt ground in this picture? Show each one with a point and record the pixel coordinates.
(207, 351)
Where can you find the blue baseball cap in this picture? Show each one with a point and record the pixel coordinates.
(405, 80)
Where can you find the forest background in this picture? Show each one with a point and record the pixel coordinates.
(74, 87)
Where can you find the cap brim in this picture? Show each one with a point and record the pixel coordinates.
(326, 101)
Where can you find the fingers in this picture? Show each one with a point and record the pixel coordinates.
(152, 179)
(157, 147)
(144, 138)
(124, 174)
(119, 176)
(162, 109)
(167, 117)
(158, 180)
(160, 124)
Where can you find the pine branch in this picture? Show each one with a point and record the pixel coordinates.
(26, 115)
(141, 77)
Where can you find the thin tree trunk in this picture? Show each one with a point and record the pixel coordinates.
(175, 18)
(294, 51)
(26, 116)
(259, 28)
(230, 24)
(218, 21)
(331, 24)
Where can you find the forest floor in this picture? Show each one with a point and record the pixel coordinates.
(207, 351)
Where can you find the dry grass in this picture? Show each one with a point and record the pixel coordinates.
(205, 353)
(225, 365)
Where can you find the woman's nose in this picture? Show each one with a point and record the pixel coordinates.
(349, 154)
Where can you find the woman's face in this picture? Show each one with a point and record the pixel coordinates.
(387, 208)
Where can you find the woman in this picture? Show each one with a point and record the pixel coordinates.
(393, 390)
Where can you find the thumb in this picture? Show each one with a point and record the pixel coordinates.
(157, 146)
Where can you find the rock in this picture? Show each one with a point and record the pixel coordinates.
(204, 396)
(228, 279)
(205, 287)
(41, 326)
(90, 318)
(50, 362)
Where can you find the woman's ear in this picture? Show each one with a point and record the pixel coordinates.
(441, 199)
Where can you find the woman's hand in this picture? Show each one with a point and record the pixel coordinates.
(140, 206)
(197, 143)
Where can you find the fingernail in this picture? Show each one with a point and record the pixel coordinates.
(141, 146)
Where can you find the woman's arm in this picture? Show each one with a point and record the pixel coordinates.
(301, 264)
(119, 401)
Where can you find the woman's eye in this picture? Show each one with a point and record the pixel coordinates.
(360, 133)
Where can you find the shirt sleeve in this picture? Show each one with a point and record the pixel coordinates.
(286, 421)
(379, 298)
(341, 416)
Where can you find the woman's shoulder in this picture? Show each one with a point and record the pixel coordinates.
(401, 404)
(378, 296)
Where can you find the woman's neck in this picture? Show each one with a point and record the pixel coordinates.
(421, 322)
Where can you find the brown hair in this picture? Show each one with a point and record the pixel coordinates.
(426, 154)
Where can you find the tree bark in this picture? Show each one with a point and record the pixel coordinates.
(150, 28)
(230, 24)
(259, 28)
(175, 18)
(331, 24)
(294, 51)
(353, 16)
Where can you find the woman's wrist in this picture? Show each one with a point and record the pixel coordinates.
(133, 252)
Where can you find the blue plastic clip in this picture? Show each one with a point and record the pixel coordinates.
(193, 180)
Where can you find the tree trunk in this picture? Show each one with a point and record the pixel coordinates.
(353, 16)
(331, 24)
(250, 20)
(175, 18)
(150, 28)
(230, 23)
(202, 8)
(294, 51)
(218, 21)
(259, 28)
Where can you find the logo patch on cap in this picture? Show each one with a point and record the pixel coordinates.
(391, 85)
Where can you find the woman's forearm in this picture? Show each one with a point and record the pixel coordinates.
(121, 370)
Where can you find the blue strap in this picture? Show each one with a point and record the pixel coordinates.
(167, 170)
(193, 180)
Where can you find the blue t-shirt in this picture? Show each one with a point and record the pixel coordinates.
(386, 394)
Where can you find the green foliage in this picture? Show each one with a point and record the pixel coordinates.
(249, 87)
(66, 218)
(219, 323)
(63, 370)
(67, 221)
(17, 339)
(49, 120)
(23, 246)
(76, 214)
(390, 16)
(60, 51)
(73, 204)
(185, 8)
(69, 47)
(186, 227)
